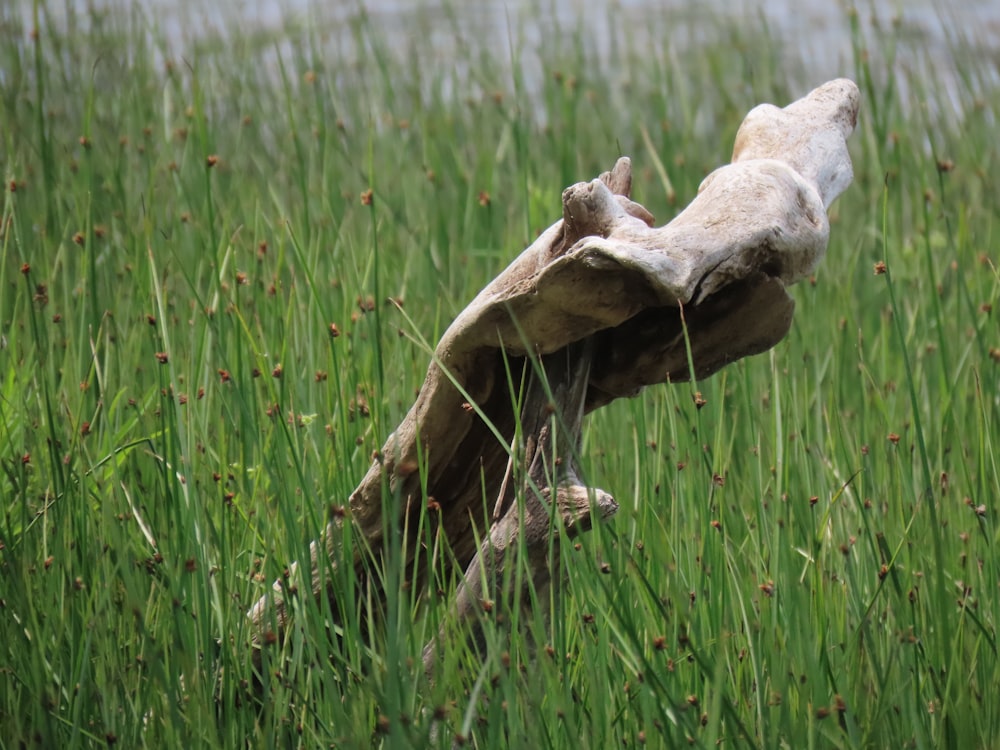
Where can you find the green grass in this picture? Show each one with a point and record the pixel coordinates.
(807, 561)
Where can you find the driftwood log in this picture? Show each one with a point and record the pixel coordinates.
(600, 306)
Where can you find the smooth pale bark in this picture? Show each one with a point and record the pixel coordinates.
(597, 308)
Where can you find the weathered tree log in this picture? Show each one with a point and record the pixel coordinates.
(597, 308)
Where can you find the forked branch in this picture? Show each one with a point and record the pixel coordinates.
(591, 312)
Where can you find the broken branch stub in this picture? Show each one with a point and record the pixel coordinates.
(598, 308)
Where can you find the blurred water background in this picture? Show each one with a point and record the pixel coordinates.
(815, 34)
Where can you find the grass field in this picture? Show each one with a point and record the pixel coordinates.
(809, 561)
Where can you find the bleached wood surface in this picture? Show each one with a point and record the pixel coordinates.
(595, 303)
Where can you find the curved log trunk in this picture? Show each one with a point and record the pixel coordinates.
(600, 306)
